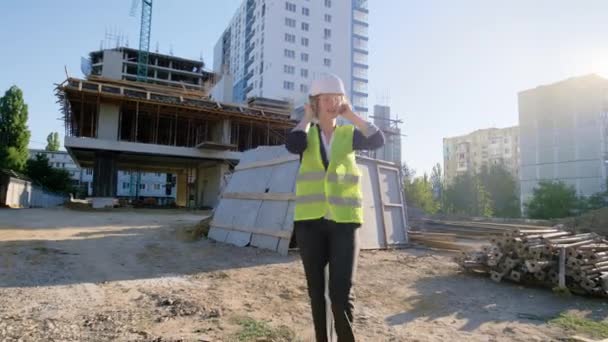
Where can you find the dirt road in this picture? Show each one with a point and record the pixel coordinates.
(131, 276)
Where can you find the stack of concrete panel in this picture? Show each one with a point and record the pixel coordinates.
(256, 207)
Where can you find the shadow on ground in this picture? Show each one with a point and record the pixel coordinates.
(478, 300)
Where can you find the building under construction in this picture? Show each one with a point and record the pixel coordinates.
(114, 124)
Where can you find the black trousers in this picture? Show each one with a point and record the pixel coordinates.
(335, 245)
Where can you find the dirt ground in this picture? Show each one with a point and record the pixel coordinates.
(132, 276)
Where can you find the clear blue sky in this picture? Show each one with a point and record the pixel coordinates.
(448, 67)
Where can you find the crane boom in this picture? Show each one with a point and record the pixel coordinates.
(144, 40)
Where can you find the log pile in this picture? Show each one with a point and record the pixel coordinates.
(552, 257)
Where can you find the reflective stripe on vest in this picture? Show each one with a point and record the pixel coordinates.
(332, 177)
(316, 198)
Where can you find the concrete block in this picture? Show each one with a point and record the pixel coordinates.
(103, 202)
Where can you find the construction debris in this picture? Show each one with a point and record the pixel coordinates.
(552, 257)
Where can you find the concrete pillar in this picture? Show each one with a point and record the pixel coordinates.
(220, 132)
(105, 174)
(208, 184)
(181, 198)
(226, 130)
(107, 122)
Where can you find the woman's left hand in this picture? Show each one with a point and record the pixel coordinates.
(345, 110)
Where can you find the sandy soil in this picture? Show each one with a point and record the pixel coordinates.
(132, 276)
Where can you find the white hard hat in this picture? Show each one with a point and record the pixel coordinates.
(327, 84)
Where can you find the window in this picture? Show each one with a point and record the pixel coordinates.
(328, 18)
(326, 33)
(290, 22)
(327, 62)
(327, 47)
(359, 86)
(360, 72)
(506, 150)
(304, 73)
(360, 43)
(305, 11)
(304, 57)
(288, 85)
(305, 26)
(304, 41)
(158, 174)
(303, 88)
(290, 7)
(142, 186)
(360, 58)
(328, 3)
(290, 53)
(156, 186)
(360, 30)
(126, 185)
(289, 69)
(291, 38)
(89, 171)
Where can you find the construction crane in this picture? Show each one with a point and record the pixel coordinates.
(144, 37)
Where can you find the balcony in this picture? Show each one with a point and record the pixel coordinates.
(248, 63)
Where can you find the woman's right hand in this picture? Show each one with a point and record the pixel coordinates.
(308, 113)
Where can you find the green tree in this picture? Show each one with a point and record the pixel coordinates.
(14, 133)
(502, 189)
(53, 143)
(552, 200)
(466, 195)
(437, 182)
(419, 193)
(55, 180)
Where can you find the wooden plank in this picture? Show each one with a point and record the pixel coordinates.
(434, 236)
(437, 243)
(264, 196)
(266, 163)
(285, 234)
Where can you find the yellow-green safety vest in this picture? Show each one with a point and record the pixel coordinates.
(337, 191)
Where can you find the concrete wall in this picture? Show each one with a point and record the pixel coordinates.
(108, 121)
(222, 91)
(18, 193)
(112, 64)
(563, 134)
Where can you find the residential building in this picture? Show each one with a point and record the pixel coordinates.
(81, 178)
(484, 147)
(157, 185)
(273, 49)
(564, 135)
(391, 151)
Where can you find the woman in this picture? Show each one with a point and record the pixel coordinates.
(328, 209)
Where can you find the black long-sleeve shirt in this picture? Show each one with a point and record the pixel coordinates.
(297, 142)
